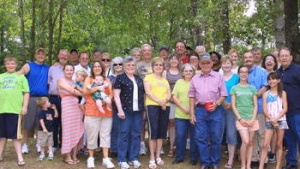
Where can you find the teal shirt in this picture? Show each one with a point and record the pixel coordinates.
(244, 100)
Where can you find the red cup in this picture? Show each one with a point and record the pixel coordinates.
(208, 105)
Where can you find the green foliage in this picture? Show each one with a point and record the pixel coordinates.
(117, 26)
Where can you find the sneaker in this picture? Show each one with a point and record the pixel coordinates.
(38, 148)
(106, 162)
(123, 165)
(50, 156)
(272, 158)
(91, 162)
(135, 163)
(41, 157)
(143, 149)
(162, 152)
(25, 149)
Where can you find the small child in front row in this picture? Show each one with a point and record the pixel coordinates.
(46, 126)
(99, 95)
(80, 77)
(274, 107)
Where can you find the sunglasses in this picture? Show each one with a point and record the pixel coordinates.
(118, 64)
(105, 60)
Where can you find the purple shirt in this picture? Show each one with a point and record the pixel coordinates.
(207, 87)
(55, 72)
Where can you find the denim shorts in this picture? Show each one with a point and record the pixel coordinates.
(281, 125)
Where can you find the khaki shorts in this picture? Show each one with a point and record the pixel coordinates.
(45, 139)
(97, 127)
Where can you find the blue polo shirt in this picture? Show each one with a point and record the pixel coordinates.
(258, 79)
(290, 78)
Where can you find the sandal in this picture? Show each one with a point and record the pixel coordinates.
(152, 164)
(21, 163)
(70, 162)
(159, 161)
(76, 161)
(229, 166)
(171, 153)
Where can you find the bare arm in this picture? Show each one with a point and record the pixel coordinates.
(265, 110)
(180, 105)
(261, 92)
(43, 125)
(24, 70)
(64, 85)
(255, 107)
(148, 92)
(284, 106)
(25, 103)
(118, 103)
(192, 110)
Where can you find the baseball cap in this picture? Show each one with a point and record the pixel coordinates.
(205, 56)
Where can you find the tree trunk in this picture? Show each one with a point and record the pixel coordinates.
(279, 25)
(225, 28)
(291, 28)
(196, 29)
(23, 39)
(51, 30)
(2, 39)
(32, 30)
(61, 15)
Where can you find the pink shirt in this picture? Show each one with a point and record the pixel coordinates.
(207, 87)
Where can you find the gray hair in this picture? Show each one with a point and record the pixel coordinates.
(135, 50)
(200, 47)
(117, 59)
(187, 65)
(145, 45)
(128, 59)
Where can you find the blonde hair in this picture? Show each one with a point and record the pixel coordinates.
(226, 58)
(155, 60)
(41, 101)
(82, 73)
(10, 58)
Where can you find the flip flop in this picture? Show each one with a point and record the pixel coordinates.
(76, 161)
(21, 163)
(70, 162)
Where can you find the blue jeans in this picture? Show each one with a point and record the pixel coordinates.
(209, 128)
(182, 128)
(231, 132)
(129, 137)
(114, 131)
(292, 138)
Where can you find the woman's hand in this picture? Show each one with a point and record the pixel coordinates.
(192, 119)
(100, 88)
(121, 114)
(250, 123)
(227, 105)
(243, 123)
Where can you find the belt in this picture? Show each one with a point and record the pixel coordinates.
(52, 95)
(200, 105)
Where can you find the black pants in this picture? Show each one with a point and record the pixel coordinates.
(57, 133)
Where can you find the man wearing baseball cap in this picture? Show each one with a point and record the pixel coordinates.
(207, 92)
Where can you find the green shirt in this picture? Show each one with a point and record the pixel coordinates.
(12, 87)
(244, 100)
(181, 90)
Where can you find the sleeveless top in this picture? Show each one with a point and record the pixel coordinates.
(274, 105)
(172, 79)
(38, 79)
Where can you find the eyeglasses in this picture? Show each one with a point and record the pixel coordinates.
(284, 56)
(244, 72)
(105, 60)
(179, 47)
(118, 64)
(158, 65)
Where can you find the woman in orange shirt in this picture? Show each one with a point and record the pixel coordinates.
(97, 123)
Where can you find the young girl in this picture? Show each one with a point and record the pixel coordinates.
(244, 106)
(275, 107)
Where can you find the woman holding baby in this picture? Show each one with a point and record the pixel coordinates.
(97, 122)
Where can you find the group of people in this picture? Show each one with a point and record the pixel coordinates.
(192, 97)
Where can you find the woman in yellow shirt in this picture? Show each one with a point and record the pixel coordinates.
(158, 94)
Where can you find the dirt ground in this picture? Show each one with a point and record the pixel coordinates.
(32, 162)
